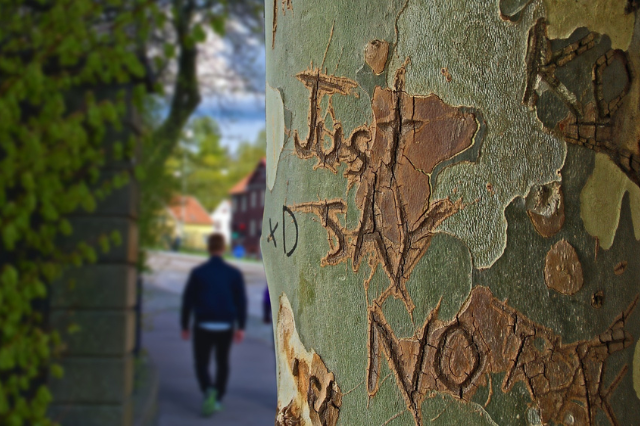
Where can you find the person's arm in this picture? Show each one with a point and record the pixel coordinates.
(187, 306)
(240, 300)
(266, 306)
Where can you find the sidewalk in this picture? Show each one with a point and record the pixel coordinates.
(251, 394)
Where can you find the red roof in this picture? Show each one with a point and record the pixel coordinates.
(241, 186)
(194, 213)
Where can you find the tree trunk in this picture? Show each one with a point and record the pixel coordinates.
(452, 226)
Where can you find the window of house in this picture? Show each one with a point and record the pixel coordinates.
(243, 203)
(262, 198)
(253, 199)
(234, 204)
(252, 228)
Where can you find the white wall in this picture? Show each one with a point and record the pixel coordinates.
(221, 217)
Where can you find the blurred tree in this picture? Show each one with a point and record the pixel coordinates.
(178, 70)
(206, 163)
(209, 169)
(172, 58)
(246, 157)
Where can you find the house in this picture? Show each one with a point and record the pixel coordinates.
(247, 206)
(221, 218)
(189, 221)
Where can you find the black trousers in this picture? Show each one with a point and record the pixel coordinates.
(204, 342)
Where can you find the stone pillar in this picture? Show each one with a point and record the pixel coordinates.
(98, 362)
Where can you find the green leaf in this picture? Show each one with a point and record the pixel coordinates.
(116, 238)
(104, 243)
(27, 181)
(4, 405)
(169, 50)
(73, 328)
(14, 419)
(43, 395)
(56, 371)
(7, 359)
(218, 24)
(9, 276)
(9, 235)
(139, 172)
(88, 203)
(40, 290)
(198, 33)
(65, 227)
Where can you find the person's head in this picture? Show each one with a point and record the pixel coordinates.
(216, 244)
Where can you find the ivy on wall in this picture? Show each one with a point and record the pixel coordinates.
(71, 72)
(54, 57)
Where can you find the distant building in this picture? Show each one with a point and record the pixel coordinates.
(221, 218)
(189, 221)
(247, 206)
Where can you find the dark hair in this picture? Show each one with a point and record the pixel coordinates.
(215, 243)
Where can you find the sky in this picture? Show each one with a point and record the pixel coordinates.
(240, 111)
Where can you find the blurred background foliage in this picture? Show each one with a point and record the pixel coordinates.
(211, 169)
(70, 71)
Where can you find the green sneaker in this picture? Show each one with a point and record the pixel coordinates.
(218, 407)
(210, 403)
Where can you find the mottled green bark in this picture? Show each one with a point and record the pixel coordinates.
(451, 230)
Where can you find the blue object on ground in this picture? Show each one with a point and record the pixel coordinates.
(238, 251)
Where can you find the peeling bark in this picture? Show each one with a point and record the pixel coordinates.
(317, 397)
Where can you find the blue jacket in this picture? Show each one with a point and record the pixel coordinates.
(215, 293)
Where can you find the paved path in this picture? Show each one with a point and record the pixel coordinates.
(251, 394)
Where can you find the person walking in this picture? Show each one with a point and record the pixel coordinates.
(216, 296)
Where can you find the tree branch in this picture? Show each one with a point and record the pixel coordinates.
(186, 94)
